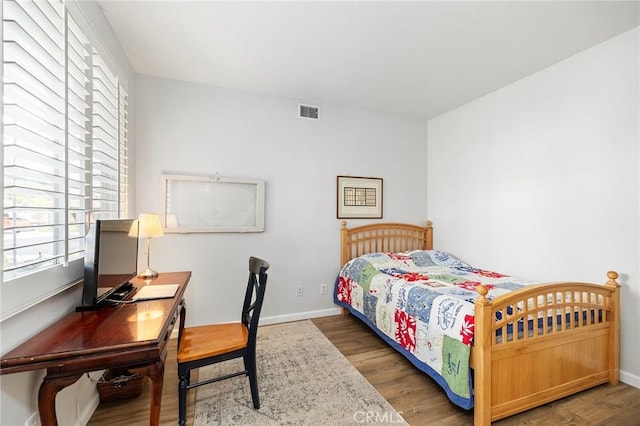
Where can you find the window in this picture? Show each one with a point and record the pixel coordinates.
(64, 149)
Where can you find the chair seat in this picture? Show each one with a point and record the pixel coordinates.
(209, 340)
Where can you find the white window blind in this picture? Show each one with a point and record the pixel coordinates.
(123, 135)
(106, 150)
(64, 146)
(34, 139)
(79, 95)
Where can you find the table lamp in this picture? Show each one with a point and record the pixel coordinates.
(149, 226)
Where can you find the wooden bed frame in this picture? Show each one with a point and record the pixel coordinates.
(579, 348)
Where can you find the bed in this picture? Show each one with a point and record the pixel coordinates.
(489, 357)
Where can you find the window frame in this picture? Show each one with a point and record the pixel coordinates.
(23, 292)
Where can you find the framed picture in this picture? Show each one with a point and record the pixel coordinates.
(359, 197)
(212, 204)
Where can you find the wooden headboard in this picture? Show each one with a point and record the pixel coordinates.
(384, 237)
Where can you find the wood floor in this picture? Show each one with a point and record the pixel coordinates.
(415, 395)
(422, 402)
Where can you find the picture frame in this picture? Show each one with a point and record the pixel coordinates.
(359, 197)
(197, 204)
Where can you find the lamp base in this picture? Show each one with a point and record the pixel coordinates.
(148, 274)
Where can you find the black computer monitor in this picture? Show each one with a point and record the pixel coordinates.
(110, 260)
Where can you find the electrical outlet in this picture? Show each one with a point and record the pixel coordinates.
(323, 289)
(299, 291)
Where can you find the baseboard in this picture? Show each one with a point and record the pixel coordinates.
(89, 409)
(88, 406)
(630, 379)
(277, 319)
(299, 316)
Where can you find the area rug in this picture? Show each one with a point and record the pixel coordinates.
(303, 380)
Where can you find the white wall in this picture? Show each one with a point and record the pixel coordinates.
(541, 178)
(188, 128)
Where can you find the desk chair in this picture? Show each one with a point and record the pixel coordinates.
(209, 344)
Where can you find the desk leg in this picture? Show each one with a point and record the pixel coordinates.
(47, 397)
(155, 372)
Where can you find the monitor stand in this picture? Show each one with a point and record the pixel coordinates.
(113, 299)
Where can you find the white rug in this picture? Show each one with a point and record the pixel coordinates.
(303, 380)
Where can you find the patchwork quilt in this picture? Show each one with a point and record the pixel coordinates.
(421, 303)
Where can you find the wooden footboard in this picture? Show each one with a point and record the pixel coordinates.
(542, 343)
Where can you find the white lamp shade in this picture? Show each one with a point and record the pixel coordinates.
(149, 225)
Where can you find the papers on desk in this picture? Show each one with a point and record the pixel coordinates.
(160, 291)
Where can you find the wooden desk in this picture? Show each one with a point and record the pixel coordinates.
(134, 335)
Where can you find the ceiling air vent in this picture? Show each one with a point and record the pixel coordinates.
(308, 111)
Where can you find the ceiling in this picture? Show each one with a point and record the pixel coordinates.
(409, 58)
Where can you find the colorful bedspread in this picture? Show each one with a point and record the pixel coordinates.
(421, 302)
